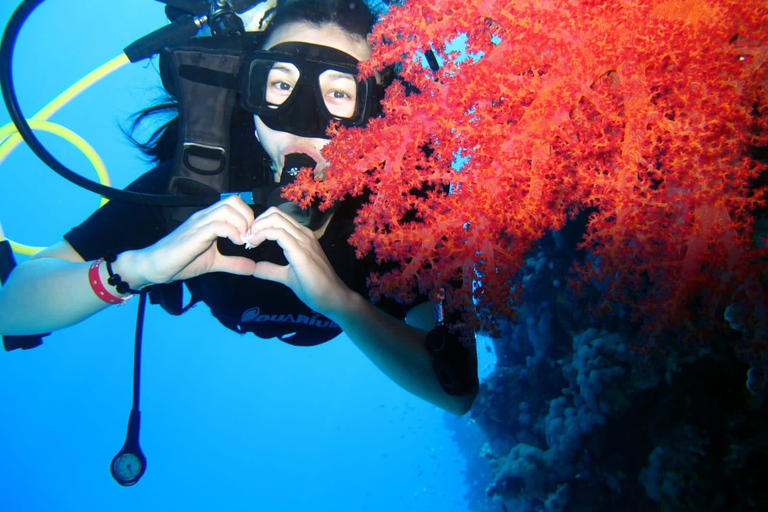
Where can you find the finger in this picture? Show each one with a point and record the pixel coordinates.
(238, 204)
(218, 229)
(276, 219)
(230, 208)
(234, 265)
(271, 272)
(286, 240)
(277, 215)
(228, 214)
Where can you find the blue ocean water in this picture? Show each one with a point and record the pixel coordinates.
(568, 418)
(228, 422)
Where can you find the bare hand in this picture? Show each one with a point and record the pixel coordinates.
(308, 273)
(190, 250)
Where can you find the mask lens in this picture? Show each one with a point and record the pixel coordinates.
(339, 91)
(281, 81)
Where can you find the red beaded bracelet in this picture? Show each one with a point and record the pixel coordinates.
(94, 277)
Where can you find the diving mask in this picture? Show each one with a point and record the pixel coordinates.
(300, 88)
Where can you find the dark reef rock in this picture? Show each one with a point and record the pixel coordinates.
(576, 420)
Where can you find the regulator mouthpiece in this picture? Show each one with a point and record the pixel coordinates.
(311, 217)
(294, 163)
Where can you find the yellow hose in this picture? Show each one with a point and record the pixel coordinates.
(65, 97)
(10, 137)
(75, 140)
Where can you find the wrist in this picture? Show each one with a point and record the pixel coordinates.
(107, 285)
(128, 266)
(349, 309)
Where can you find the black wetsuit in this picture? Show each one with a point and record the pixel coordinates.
(241, 303)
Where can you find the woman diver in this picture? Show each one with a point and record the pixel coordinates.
(304, 289)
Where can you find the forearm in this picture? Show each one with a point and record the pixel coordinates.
(399, 351)
(51, 290)
(48, 293)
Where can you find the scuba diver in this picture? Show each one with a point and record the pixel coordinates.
(269, 268)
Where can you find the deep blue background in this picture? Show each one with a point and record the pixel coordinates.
(228, 422)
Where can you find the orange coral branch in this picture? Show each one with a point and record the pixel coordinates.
(643, 110)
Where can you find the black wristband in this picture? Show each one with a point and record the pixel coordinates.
(454, 363)
(115, 280)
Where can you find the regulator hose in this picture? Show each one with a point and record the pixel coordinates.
(10, 36)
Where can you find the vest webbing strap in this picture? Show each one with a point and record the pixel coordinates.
(203, 81)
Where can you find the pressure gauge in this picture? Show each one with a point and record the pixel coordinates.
(128, 467)
(129, 464)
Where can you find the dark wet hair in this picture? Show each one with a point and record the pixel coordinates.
(352, 16)
(161, 145)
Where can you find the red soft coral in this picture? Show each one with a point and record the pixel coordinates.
(641, 110)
